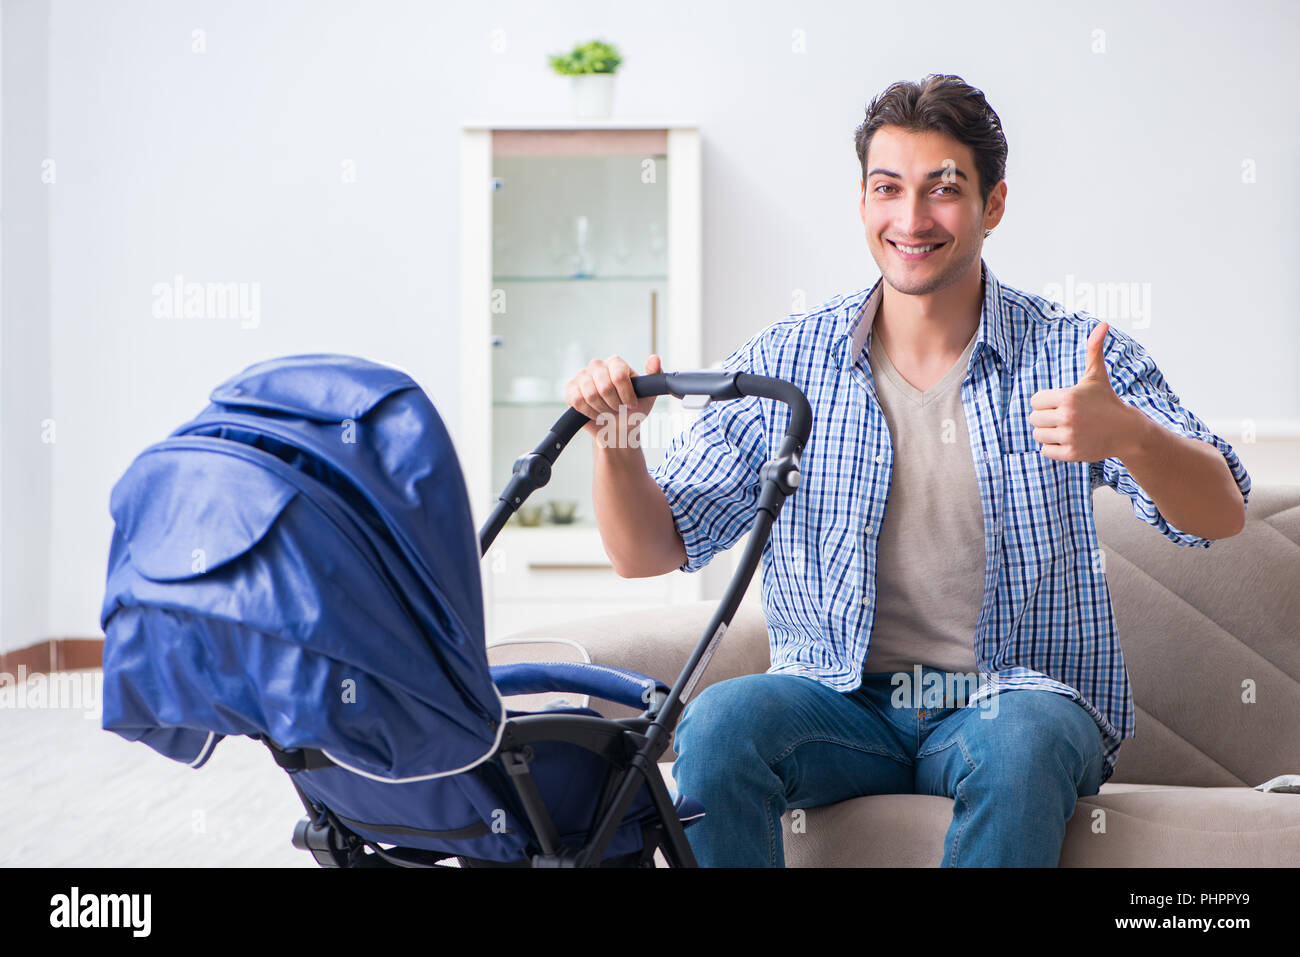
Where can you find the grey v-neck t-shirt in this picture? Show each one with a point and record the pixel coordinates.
(930, 558)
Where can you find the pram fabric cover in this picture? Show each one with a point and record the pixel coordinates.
(299, 563)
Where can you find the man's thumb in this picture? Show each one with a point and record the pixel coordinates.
(652, 365)
(1095, 364)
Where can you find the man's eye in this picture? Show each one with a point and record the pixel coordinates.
(889, 186)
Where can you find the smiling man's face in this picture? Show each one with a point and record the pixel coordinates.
(922, 190)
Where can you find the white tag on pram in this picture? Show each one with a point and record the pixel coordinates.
(1283, 783)
(704, 662)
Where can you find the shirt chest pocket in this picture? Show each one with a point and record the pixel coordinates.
(1033, 508)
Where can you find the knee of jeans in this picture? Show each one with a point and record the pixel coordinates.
(718, 715)
(1033, 725)
(1091, 783)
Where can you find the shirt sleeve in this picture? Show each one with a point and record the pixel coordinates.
(710, 474)
(1139, 382)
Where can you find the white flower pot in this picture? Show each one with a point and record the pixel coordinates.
(593, 95)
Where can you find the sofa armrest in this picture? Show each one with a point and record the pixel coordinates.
(654, 642)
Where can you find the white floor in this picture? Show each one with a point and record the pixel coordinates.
(73, 794)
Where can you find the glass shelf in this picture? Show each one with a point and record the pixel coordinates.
(579, 270)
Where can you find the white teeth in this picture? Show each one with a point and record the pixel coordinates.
(914, 250)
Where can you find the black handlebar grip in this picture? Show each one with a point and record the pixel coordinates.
(716, 385)
(720, 386)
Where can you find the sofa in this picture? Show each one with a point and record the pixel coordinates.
(1211, 638)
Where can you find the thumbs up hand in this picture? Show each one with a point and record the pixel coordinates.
(1086, 422)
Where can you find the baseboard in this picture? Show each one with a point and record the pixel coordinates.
(55, 654)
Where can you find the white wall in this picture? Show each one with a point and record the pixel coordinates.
(26, 458)
(1124, 166)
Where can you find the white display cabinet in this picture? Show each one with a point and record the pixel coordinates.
(579, 240)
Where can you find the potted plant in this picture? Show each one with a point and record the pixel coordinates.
(592, 67)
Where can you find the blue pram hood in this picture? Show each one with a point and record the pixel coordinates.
(322, 591)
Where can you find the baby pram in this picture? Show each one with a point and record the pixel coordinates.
(298, 565)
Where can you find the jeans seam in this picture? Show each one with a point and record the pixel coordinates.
(773, 820)
(956, 837)
(828, 739)
(773, 826)
(961, 800)
(933, 751)
(944, 747)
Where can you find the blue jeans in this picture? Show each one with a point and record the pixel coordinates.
(750, 747)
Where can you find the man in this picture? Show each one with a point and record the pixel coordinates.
(984, 417)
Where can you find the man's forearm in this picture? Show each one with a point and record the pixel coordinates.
(636, 524)
(1188, 479)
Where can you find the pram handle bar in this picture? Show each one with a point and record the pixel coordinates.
(533, 469)
(730, 385)
(780, 477)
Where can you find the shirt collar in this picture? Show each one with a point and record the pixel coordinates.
(994, 329)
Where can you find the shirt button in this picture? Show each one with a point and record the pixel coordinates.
(866, 600)
(880, 458)
(868, 529)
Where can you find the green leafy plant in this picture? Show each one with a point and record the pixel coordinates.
(593, 57)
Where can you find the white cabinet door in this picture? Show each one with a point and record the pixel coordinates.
(579, 241)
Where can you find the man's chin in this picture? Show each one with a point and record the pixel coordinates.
(922, 279)
(913, 285)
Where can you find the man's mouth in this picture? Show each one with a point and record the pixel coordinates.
(911, 253)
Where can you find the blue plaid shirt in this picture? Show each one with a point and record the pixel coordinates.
(1046, 619)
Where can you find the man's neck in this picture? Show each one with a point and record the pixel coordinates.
(921, 331)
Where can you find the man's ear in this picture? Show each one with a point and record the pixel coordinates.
(996, 207)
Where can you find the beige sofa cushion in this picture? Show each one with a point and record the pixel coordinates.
(1144, 826)
(1125, 825)
(1211, 638)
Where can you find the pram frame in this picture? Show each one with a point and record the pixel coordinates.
(631, 746)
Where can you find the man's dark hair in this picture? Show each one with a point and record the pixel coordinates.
(948, 105)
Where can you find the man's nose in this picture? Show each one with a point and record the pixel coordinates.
(914, 218)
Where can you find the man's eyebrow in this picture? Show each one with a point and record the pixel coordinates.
(933, 174)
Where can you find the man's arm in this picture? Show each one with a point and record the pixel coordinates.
(1188, 480)
(636, 525)
(1182, 479)
(700, 500)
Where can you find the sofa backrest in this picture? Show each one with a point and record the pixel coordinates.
(1211, 639)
